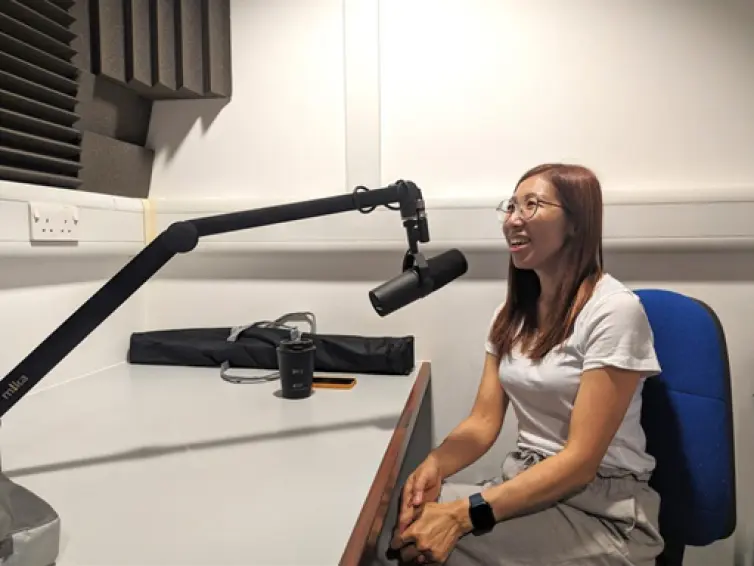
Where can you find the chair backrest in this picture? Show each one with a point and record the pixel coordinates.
(688, 420)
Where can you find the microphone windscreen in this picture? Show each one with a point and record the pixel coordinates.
(446, 267)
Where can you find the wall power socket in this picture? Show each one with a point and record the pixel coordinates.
(53, 222)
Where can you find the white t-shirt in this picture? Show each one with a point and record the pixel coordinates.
(611, 330)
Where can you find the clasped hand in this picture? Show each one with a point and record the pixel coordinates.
(428, 531)
(432, 535)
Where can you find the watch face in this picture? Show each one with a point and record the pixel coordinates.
(480, 513)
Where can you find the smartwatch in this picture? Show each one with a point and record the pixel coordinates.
(481, 515)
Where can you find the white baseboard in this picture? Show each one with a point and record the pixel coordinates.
(109, 225)
(668, 220)
(683, 220)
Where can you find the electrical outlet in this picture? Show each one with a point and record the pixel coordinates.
(53, 222)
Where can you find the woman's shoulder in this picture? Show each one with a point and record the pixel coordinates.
(612, 299)
(610, 289)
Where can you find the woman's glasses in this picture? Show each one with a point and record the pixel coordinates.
(526, 209)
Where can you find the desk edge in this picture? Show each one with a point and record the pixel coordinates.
(363, 540)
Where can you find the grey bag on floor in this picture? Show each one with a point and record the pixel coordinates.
(29, 527)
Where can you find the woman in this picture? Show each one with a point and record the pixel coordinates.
(569, 350)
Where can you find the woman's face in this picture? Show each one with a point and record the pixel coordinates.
(534, 224)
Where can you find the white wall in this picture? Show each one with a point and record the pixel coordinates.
(652, 94)
(281, 113)
(41, 285)
(468, 93)
(462, 96)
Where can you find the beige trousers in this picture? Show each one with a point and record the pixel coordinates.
(611, 522)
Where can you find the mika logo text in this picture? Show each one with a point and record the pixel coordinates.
(14, 386)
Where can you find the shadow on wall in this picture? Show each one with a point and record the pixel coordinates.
(173, 120)
(355, 266)
(716, 266)
(31, 272)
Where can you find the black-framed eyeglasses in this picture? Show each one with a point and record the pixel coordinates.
(526, 209)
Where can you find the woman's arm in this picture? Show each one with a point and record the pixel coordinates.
(601, 403)
(471, 439)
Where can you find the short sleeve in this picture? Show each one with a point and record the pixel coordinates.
(489, 347)
(617, 333)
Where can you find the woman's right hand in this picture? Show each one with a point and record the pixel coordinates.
(422, 485)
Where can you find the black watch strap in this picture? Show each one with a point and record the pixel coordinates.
(480, 513)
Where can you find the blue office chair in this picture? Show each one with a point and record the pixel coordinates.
(688, 420)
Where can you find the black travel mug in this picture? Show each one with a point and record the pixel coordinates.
(296, 367)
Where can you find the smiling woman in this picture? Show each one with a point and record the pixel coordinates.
(569, 349)
(553, 224)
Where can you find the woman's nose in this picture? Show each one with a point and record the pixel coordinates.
(515, 218)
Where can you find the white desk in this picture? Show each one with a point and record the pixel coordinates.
(173, 466)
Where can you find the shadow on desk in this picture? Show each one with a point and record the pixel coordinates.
(396, 423)
(410, 444)
(147, 452)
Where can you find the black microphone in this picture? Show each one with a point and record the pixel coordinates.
(417, 282)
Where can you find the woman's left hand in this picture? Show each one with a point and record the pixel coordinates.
(434, 533)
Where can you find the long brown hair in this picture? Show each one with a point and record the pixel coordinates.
(518, 322)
